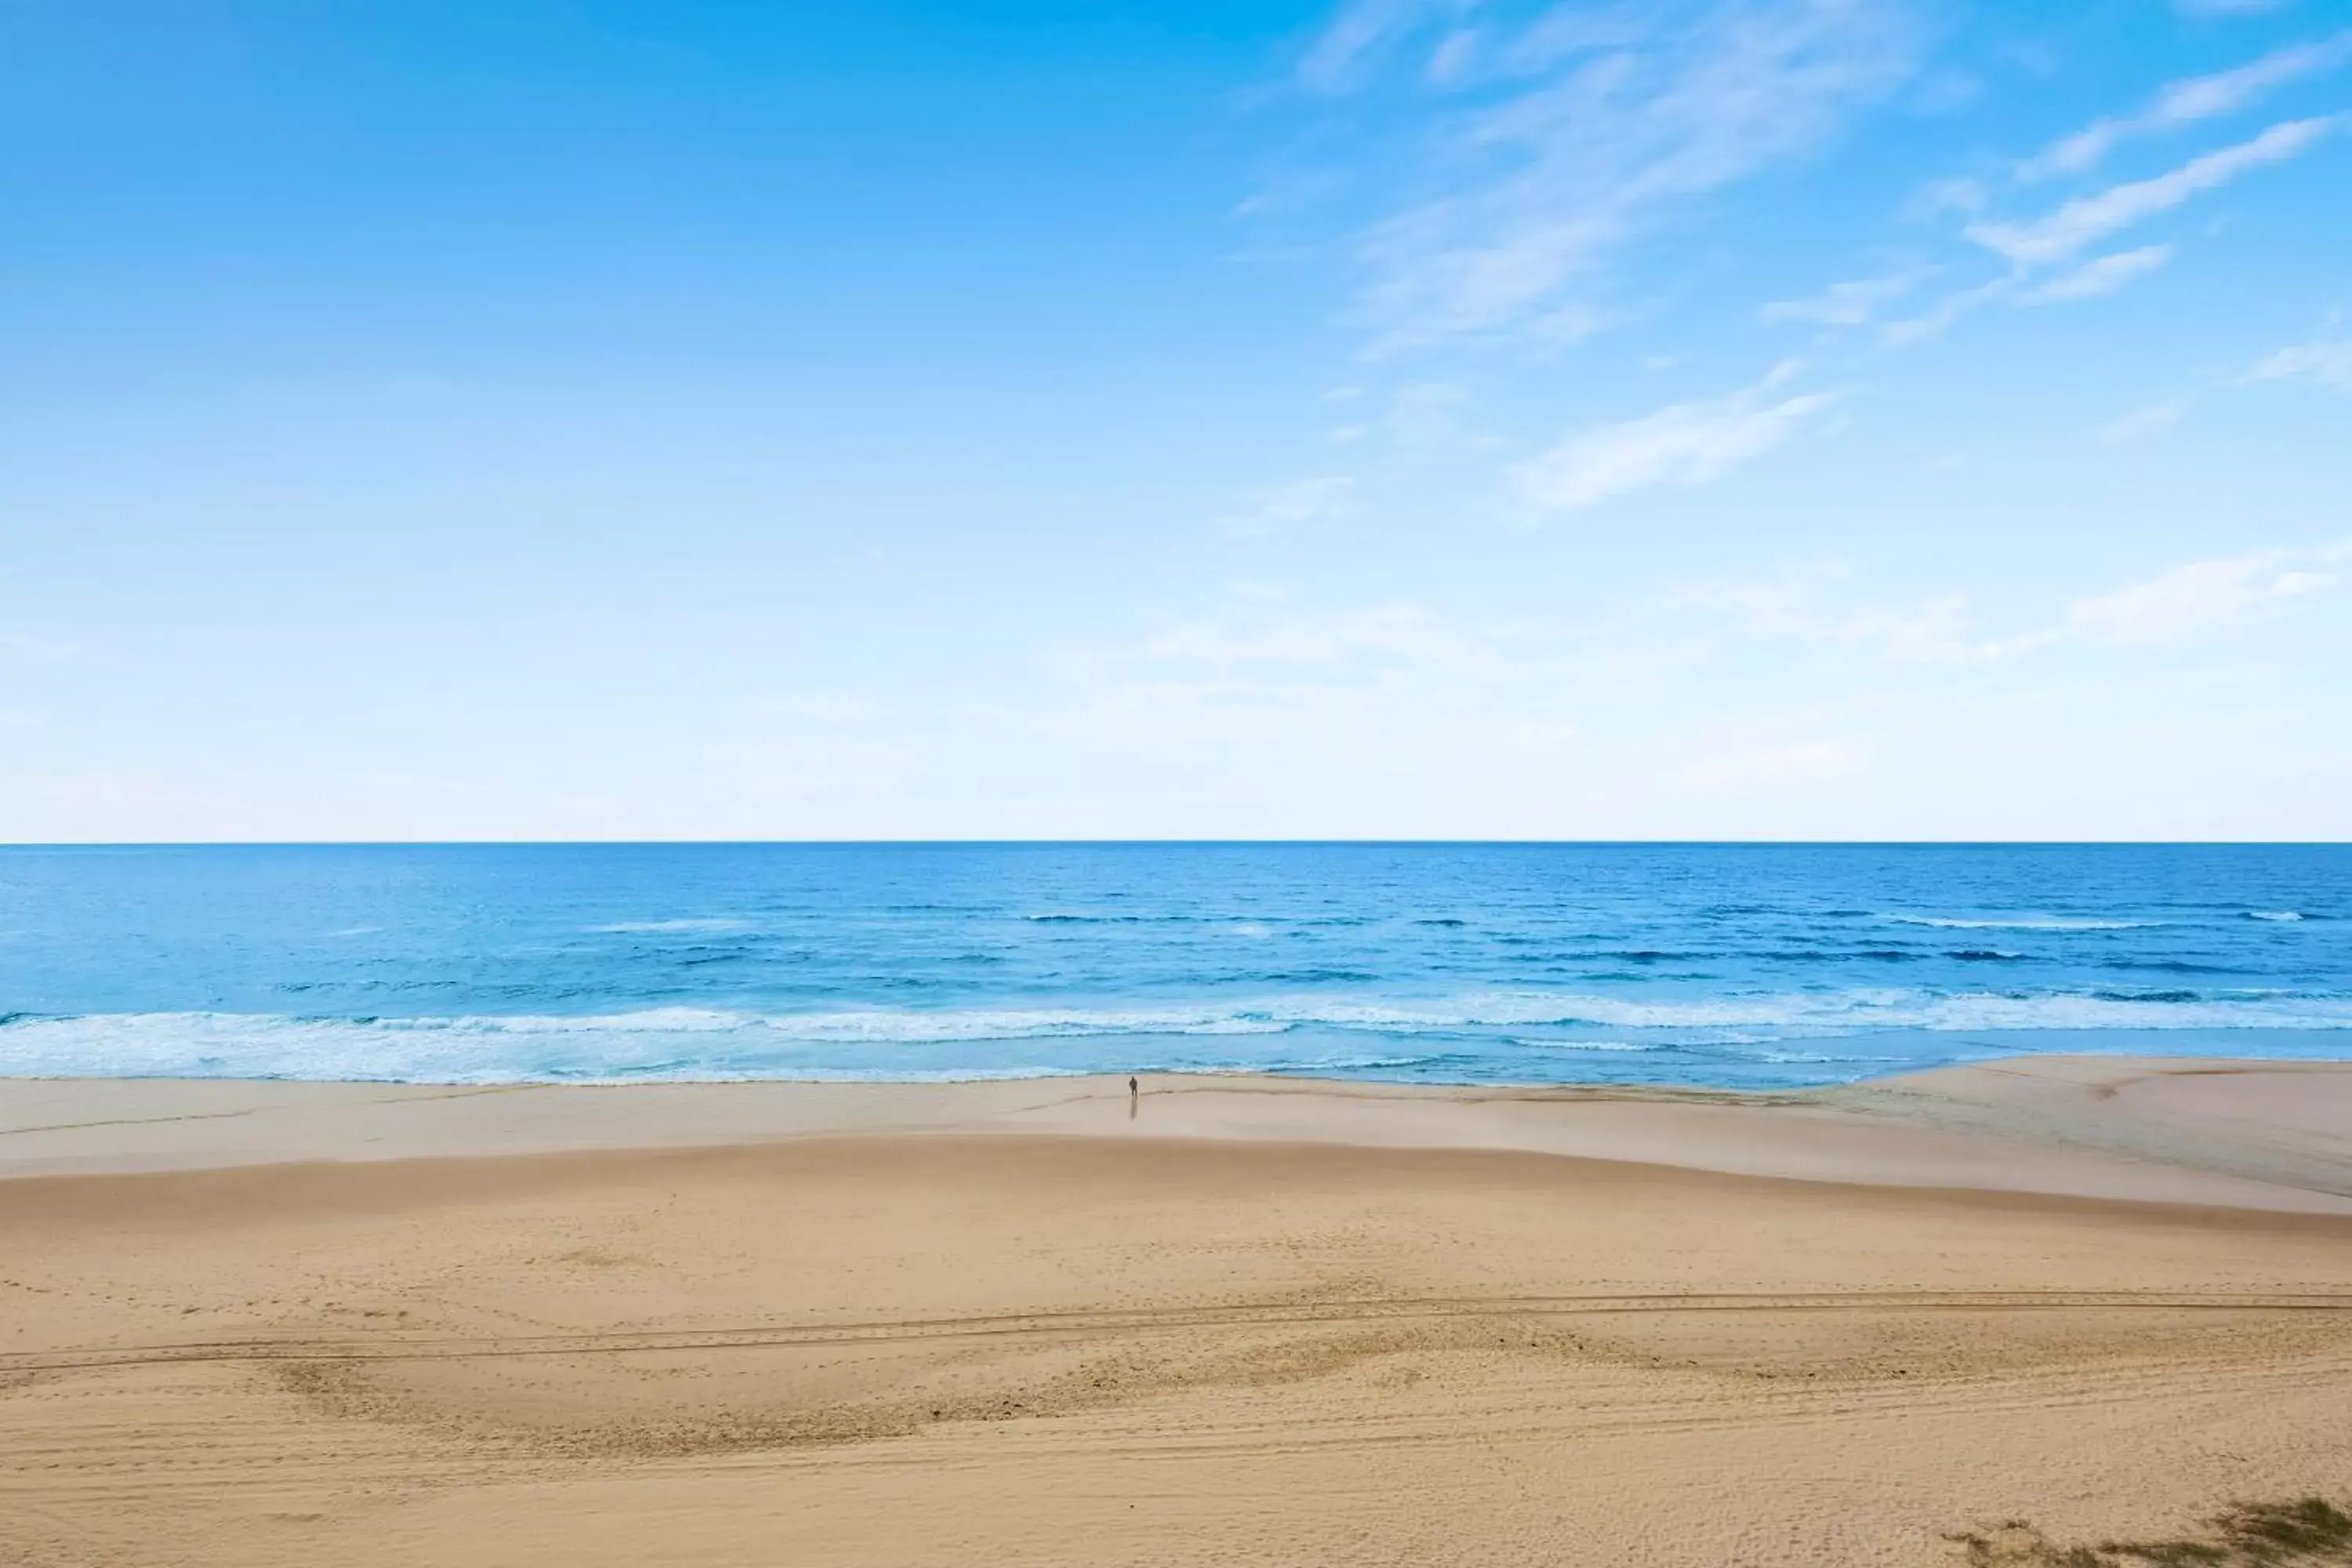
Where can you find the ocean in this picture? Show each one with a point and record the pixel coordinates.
(1739, 965)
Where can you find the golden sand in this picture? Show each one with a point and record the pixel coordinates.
(1105, 1345)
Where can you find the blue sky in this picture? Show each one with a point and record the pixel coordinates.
(1814, 418)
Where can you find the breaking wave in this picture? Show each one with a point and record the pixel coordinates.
(1276, 1033)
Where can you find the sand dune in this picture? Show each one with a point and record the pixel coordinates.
(1074, 1339)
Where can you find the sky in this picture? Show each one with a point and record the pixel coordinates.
(1884, 419)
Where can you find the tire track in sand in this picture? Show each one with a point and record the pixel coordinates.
(1086, 1323)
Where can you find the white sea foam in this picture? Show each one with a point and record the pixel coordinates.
(2018, 923)
(882, 1043)
(878, 1027)
(650, 1020)
(2275, 914)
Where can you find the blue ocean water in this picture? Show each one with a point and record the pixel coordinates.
(1750, 965)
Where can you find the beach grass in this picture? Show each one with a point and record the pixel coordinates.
(2307, 1532)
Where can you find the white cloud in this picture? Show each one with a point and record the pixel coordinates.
(2088, 219)
(1933, 631)
(2104, 276)
(1951, 308)
(1683, 444)
(2185, 103)
(1958, 194)
(1427, 417)
(1318, 499)
(1333, 693)
(1455, 58)
(2198, 595)
(1400, 634)
(1606, 131)
(1356, 36)
(2325, 360)
(2141, 423)
(1852, 304)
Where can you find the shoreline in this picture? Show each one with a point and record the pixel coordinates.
(2233, 1132)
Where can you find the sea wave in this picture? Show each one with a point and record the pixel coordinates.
(888, 1042)
(2018, 923)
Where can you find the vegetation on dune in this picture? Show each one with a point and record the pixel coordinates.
(2310, 1532)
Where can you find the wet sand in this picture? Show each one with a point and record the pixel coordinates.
(1260, 1322)
(2245, 1134)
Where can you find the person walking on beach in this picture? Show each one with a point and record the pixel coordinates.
(1134, 1096)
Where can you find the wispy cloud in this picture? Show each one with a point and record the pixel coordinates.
(2104, 276)
(1852, 304)
(1936, 630)
(2200, 595)
(1269, 677)
(2142, 423)
(2326, 360)
(1939, 320)
(2088, 219)
(1683, 444)
(1317, 499)
(2186, 102)
(1429, 416)
(1401, 632)
(1353, 42)
(2193, 597)
(1599, 134)
(2056, 238)
(2088, 281)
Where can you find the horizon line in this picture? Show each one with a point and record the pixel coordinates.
(1270, 843)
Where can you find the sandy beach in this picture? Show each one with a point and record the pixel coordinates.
(1231, 1321)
